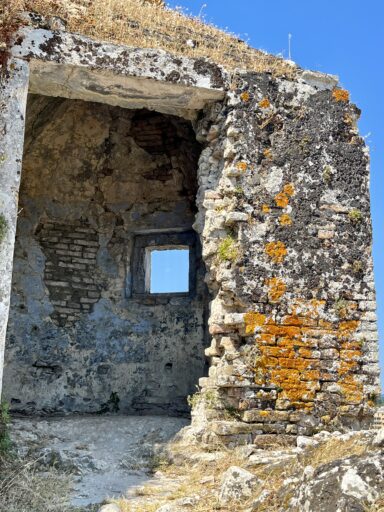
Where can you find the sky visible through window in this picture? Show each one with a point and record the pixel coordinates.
(169, 271)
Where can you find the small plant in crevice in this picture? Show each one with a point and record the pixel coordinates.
(355, 216)
(228, 249)
(3, 227)
(5, 440)
(208, 397)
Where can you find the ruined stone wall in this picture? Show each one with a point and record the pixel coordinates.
(285, 223)
(95, 180)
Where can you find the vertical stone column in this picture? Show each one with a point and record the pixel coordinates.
(13, 100)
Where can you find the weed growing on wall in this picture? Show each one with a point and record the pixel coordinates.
(228, 249)
(355, 216)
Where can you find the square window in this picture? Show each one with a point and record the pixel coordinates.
(168, 269)
(163, 264)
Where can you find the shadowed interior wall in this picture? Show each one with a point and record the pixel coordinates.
(95, 180)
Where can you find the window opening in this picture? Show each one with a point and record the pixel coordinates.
(168, 270)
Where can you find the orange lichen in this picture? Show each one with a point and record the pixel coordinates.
(289, 189)
(267, 153)
(277, 288)
(242, 166)
(347, 328)
(264, 103)
(253, 320)
(276, 251)
(265, 208)
(282, 200)
(245, 96)
(289, 359)
(340, 95)
(285, 220)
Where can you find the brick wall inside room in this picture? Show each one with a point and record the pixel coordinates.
(70, 268)
(94, 178)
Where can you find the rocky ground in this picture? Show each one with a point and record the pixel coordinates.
(105, 455)
(135, 464)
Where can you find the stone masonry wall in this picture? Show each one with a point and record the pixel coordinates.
(285, 223)
(95, 179)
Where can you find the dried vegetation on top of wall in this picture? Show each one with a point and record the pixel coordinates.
(145, 24)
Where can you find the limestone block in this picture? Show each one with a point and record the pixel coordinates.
(234, 319)
(237, 484)
(233, 217)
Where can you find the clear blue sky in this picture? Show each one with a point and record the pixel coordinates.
(344, 37)
(169, 271)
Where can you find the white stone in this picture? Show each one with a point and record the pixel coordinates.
(237, 484)
(304, 442)
(236, 319)
(321, 81)
(233, 217)
(353, 485)
(379, 439)
(273, 181)
(112, 507)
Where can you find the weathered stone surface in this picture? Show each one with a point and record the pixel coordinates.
(283, 217)
(73, 66)
(237, 485)
(110, 508)
(82, 336)
(344, 485)
(13, 99)
(379, 439)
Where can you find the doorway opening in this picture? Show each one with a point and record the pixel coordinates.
(109, 306)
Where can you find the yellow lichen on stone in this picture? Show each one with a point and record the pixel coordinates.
(253, 320)
(265, 208)
(282, 200)
(245, 96)
(340, 95)
(277, 288)
(242, 166)
(289, 189)
(267, 153)
(264, 103)
(276, 251)
(285, 220)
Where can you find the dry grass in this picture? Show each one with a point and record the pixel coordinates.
(141, 24)
(334, 449)
(190, 476)
(23, 489)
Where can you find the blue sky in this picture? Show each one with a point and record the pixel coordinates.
(343, 37)
(169, 271)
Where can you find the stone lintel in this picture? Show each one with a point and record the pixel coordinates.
(76, 67)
